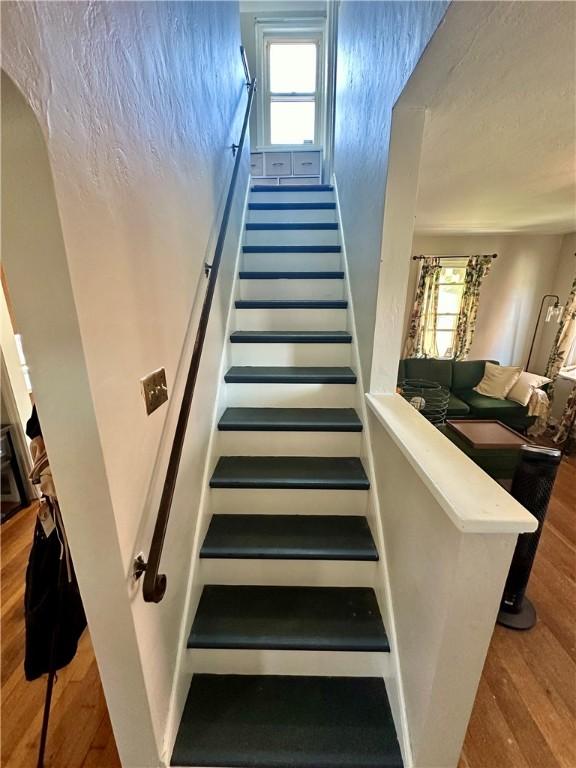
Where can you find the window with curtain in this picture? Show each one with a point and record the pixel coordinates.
(440, 335)
(443, 319)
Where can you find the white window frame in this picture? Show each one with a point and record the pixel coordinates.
(456, 263)
(267, 33)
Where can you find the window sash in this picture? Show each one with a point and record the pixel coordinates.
(269, 34)
(442, 337)
(275, 96)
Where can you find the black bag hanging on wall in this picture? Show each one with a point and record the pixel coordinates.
(54, 613)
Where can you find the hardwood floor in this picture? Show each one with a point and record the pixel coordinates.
(80, 734)
(525, 711)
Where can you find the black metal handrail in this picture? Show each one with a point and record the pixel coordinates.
(154, 582)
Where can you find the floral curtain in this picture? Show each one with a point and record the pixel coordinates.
(418, 342)
(567, 426)
(563, 341)
(476, 270)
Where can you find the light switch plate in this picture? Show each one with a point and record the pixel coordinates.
(154, 390)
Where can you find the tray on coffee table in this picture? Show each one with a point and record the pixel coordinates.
(487, 433)
(489, 443)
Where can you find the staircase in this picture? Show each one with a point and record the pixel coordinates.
(287, 646)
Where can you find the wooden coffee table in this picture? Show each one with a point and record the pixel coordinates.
(489, 443)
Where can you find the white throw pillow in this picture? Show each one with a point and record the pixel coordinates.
(521, 392)
(498, 380)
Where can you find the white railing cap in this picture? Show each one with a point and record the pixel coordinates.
(473, 501)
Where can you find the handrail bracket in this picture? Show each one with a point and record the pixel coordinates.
(138, 566)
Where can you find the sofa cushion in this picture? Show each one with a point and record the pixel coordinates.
(491, 408)
(401, 370)
(457, 408)
(467, 374)
(439, 371)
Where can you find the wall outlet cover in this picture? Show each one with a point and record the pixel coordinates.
(154, 389)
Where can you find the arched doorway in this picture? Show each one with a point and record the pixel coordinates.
(36, 268)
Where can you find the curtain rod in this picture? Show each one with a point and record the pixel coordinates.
(421, 258)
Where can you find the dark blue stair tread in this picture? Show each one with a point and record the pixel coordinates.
(290, 420)
(274, 721)
(297, 225)
(291, 304)
(311, 472)
(292, 206)
(303, 275)
(289, 537)
(289, 618)
(292, 188)
(292, 337)
(260, 374)
(291, 248)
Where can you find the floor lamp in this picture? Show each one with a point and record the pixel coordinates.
(553, 311)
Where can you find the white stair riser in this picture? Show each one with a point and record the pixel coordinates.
(293, 216)
(291, 320)
(258, 662)
(280, 501)
(290, 354)
(291, 237)
(295, 262)
(292, 197)
(291, 395)
(292, 289)
(283, 573)
(289, 443)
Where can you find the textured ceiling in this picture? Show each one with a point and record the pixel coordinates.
(499, 147)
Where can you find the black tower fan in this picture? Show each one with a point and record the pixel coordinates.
(532, 487)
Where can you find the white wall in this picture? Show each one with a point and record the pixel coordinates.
(449, 532)
(139, 103)
(35, 263)
(510, 299)
(379, 44)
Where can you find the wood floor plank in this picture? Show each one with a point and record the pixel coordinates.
(552, 600)
(490, 742)
(529, 679)
(526, 732)
(555, 549)
(551, 665)
(551, 716)
(525, 710)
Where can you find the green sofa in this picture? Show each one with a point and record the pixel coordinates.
(460, 377)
